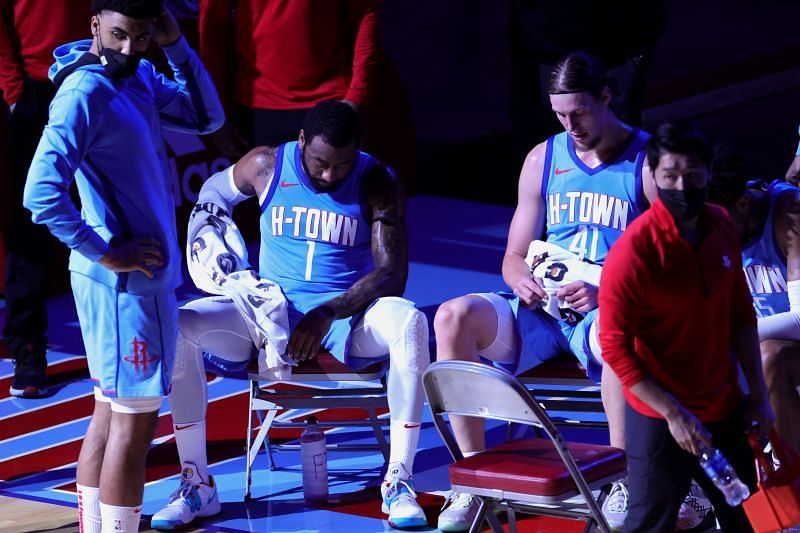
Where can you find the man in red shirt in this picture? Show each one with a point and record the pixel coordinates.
(674, 305)
(273, 60)
(29, 32)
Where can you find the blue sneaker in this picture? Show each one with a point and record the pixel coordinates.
(193, 499)
(400, 500)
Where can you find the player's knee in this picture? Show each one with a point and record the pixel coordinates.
(779, 360)
(405, 328)
(452, 317)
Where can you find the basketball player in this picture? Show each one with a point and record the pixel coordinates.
(581, 189)
(105, 133)
(333, 237)
(768, 219)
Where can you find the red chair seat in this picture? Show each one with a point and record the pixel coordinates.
(533, 466)
(561, 366)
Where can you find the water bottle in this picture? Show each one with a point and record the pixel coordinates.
(724, 477)
(314, 460)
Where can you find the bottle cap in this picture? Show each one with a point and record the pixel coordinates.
(311, 420)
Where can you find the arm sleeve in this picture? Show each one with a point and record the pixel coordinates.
(216, 45)
(11, 80)
(365, 50)
(623, 289)
(60, 151)
(190, 103)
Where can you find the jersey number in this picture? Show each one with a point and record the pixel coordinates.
(762, 307)
(310, 258)
(580, 243)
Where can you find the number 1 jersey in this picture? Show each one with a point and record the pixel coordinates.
(314, 245)
(587, 209)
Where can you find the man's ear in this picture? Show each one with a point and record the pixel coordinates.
(605, 95)
(301, 139)
(95, 26)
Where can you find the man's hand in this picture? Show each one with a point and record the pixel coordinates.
(166, 30)
(229, 141)
(759, 413)
(793, 174)
(11, 108)
(141, 255)
(580, 296)
(306, 338)
(529, 291)
(688, 431)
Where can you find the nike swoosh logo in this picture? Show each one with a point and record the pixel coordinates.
(560, 171)
(285, 185)
(411, 426)
(179, 428)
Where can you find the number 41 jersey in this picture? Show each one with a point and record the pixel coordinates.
(587, 209)
(314, 245)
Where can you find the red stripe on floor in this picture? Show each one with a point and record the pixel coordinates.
(30, 421)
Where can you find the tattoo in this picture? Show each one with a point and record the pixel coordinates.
(384, 198)
(259, 167)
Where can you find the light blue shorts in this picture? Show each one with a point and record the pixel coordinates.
(129, 338)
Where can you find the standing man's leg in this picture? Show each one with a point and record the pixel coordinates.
(90, 463)
(27, 251)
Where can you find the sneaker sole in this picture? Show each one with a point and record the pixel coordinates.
(403, 523)
(173, 525)
(25, 393)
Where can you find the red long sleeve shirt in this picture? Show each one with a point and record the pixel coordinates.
(289, 54)
(29, 32)
(667, 311)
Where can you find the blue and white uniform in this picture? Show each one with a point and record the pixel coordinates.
(764, 263)
(106, 135)
(586, 211)
(316, 245)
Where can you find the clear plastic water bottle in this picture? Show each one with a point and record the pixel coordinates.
(724, 477)
(314, 460)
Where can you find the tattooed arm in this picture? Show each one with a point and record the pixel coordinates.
(253, 172)
(385, 201)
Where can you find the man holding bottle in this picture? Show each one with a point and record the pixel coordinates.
(674, 306)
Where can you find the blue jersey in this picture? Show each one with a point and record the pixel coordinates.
(764, 263)
(315, 245)
(587, 209)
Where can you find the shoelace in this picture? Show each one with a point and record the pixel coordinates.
(182, 492)
(395, 492)
(460, 500)
(618, 499)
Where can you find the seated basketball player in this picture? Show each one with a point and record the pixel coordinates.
(342, 281)
(580, 189)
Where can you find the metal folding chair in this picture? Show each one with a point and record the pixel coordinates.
(544, 476)
(364, 389)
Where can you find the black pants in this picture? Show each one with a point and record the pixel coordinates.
(28, 245)
(270, 127)
(660, 472)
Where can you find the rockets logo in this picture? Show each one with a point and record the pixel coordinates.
(140, 357)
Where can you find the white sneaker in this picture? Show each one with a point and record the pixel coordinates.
(193, 498)
(696, 511)
(400, 500)
(615, 508)
(458, 512)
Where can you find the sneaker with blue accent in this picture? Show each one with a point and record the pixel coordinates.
(193, 499)
(400, 500)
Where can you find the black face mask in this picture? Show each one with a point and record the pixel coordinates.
(119, 65)
(683, 205)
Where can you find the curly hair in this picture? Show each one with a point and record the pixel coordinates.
(135, 9)
(336, 122)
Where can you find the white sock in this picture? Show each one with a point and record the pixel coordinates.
(117, 519)
(404, 437)
(191, 441)
(470, 454)
(89, 518)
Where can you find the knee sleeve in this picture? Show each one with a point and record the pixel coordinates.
(403, 330)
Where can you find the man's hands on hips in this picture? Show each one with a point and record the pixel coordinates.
(143, 255)
(307, 335)
(687, 430)
(758, 413)
(166, 30)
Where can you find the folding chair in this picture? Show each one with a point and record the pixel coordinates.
(364, 389)
(545, 476)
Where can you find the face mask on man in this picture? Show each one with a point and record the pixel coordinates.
(683, 205)
(117, 64)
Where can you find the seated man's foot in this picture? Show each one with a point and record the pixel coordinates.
(615, 508)
(400, 500)
(30, 372)
(458, 512)
(696, 512)
(193, 499)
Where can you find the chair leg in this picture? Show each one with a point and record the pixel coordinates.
(512, 519)
(379, 436)
(248, 443)
(478, 522)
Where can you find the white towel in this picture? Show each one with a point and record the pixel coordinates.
(557, 267)
(218, 264)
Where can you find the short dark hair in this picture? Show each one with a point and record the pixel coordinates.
(678, 137)
(336, 122)
(730, 176)
(578, 72)
(135, 9)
